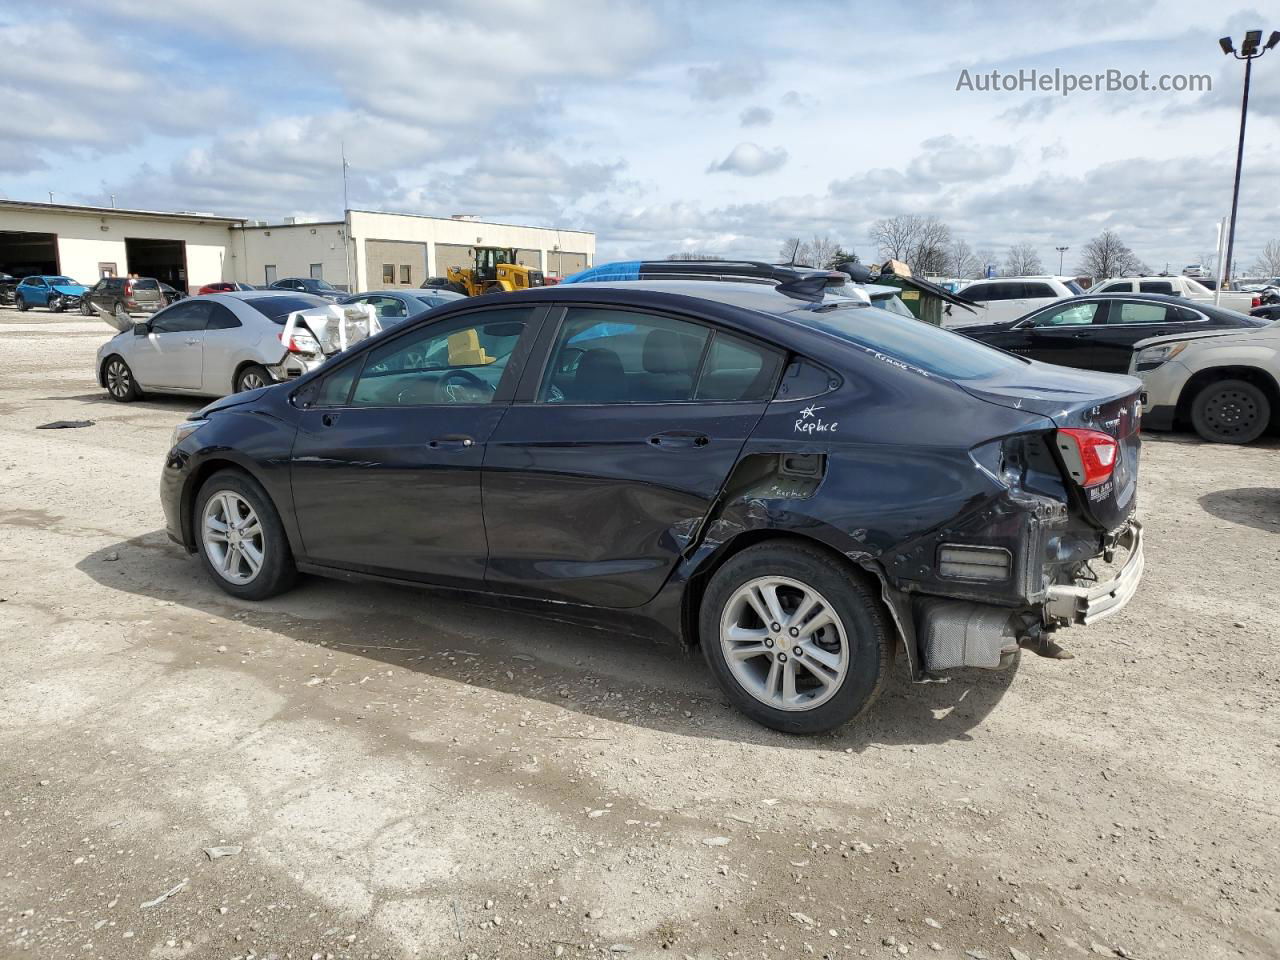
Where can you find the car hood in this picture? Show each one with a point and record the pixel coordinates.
(1245, 332)
(231, 400)
(70, 289)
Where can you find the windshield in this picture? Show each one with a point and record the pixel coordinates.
(55, 281)
(318, 284)
(1073, 286)
(893, 303)
(279, 308)
(911, 341)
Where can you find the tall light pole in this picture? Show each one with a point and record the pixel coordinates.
(1249, 51)
(1061, 251)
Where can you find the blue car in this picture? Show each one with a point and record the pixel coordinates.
(56, 293)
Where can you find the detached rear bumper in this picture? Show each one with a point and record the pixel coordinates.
(1088, 604)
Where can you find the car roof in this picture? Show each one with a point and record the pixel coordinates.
(252, 294)
(759, 297)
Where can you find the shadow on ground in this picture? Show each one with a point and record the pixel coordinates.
(1257, 507)
(600, 674)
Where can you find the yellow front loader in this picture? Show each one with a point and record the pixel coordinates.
(495, 270)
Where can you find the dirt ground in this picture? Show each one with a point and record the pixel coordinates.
(405, 776)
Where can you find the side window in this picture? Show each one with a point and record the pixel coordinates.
(736, 369)
(616, 356)
(221, 318)
(387, 307)
(1037, 290)
(1075, 314)
(1181, 315)
(183, 317)
(1137, 313)
(1155, 286)
(461, 361)
(1120, 286)
(977, 292)
(336, 387)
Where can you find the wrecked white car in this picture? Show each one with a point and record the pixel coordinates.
(225, 343)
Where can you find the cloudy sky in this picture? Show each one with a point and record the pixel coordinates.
(721, 127)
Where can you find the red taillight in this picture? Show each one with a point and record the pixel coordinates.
(291, 345)
(1090, 455)
(1257, 301)
(128, 288)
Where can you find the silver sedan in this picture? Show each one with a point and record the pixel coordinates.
(210, 345)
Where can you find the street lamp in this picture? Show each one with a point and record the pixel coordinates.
(1061, 251)
(1248, 52)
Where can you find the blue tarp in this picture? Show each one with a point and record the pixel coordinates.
(622, 270)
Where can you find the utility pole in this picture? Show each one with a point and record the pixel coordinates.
(1249, 50)
(346, 217)
(1061, 251)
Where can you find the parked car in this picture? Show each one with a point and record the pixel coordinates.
(171, 294)
(7, 283)
(1007, 298)
(434, 282)
(318, 288)
(210, 345)
(225, 286)
(1186, 287)
(1267, 312)
(1225, 384)
(54, 292)
(394, 306)
(1097, 332)
(122, 296)
(794, 483)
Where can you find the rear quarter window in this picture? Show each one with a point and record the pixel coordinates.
(277, 309)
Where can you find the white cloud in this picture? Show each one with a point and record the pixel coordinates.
(750, 160)
(725, 80)
(756, 117)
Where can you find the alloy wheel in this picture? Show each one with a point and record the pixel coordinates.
(232, 537)
(251, 381)
(784, 643)
(119, 380)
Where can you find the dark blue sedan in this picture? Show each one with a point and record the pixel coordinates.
(793, 481)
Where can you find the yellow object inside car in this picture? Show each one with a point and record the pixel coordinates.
(465, 350)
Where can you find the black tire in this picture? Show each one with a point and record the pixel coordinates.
(245, 377)
(277, 572)
(869, 639)
(121, 313)
(1230, 411)
(21, 304)
(55, 304)
(120, 382)
(86, 309)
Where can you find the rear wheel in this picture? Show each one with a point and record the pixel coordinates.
(86, 309)
(242, 542)
(795, 640)
(119, 380)
(20, 304)
(121, 314)
(1230, 411)
(252, 377)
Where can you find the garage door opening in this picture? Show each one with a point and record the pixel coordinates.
(166, 260)
(25, 254)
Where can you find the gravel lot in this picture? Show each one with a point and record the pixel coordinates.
(408, 776)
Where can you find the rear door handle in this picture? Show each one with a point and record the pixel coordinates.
(329, 419)
(452, 441)
(678, 440)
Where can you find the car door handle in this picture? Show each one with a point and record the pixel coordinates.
(328, 419)
(1079, 336)
(452, 441)
(192, 343)
(678, 440)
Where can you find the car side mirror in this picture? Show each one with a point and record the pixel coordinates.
(141, 329)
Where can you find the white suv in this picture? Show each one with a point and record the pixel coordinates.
(1008, 298)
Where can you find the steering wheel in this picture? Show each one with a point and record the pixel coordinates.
(454, 379)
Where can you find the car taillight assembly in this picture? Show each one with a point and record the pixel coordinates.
(300, 343)
(1257, 302)
(1090, 455)
(128, 288)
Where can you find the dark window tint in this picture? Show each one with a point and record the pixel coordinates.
(186, 316)
(461, 361)
(221, 318)
(922, 345)
(279, 308)
(336, 387)
(1120, 286)
(736, 369)
(1074, 287)
(978, 292)
(616, 356)
(1155, 286)
(1037, 290)
(1181, 315)
(145, 285)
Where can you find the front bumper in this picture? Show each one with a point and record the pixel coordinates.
(1088, 604)
(1162, 385)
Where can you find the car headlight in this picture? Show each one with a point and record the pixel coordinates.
(184, 430)
(1151, 357)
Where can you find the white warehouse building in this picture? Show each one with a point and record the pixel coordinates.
(365, 250)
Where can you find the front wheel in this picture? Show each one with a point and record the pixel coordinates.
(119, 379)
(242, 542)
(1230, 411)
(55, 304)
(795, 639)
(85, 309)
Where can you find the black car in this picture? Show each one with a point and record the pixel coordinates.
(1098, 331)
(7, 284)
(793, 483)
(319, 288)
(1268, 312)
(171, 294)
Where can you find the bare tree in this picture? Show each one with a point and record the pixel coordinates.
(961, 261)
(790, 251)
(820, 251)
(1023, 260)
(921, 242)
(1107, 256)
(986, 258)
(1268, 263)
(693, 255)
